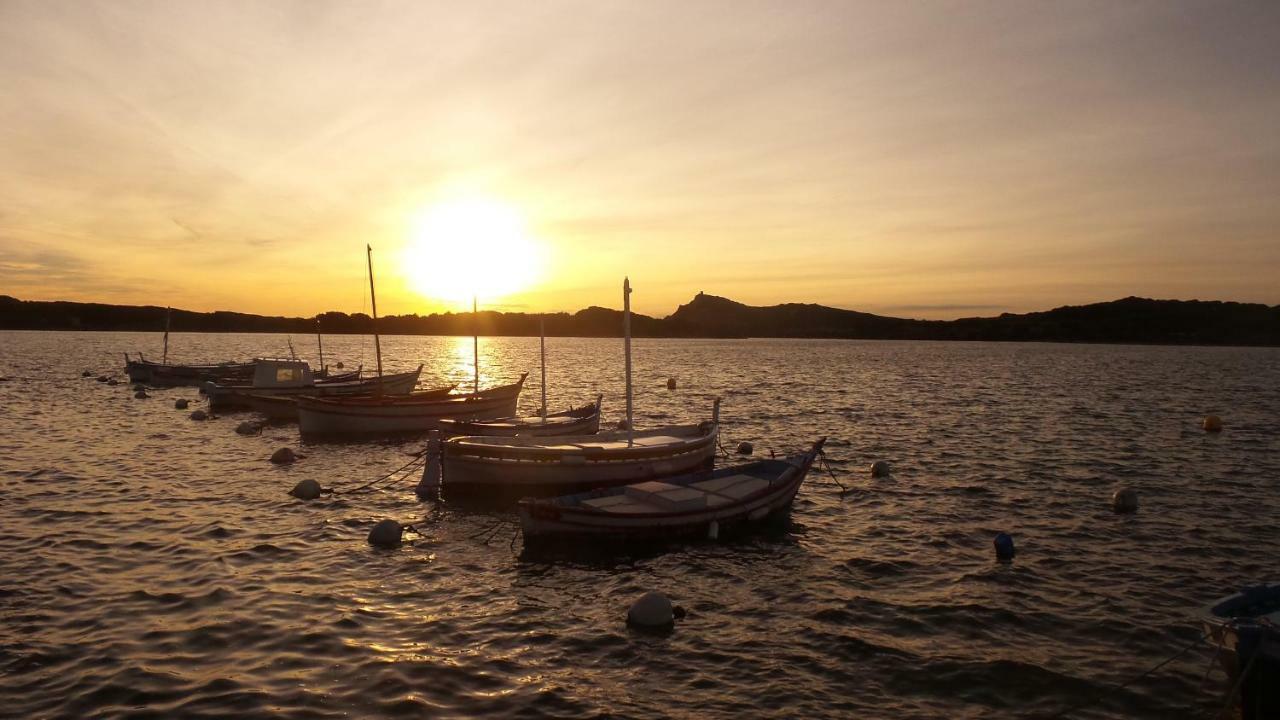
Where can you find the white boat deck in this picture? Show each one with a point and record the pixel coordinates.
(660, 497)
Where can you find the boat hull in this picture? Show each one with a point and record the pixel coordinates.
(582, 421)
(514, 471)
(1243, 629)
(224, 397)
(390, 415)
(570, 518)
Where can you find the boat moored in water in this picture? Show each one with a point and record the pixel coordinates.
(1245, 628)
(701, 504)
(583, 420)
(285, 407)
(280, 377)
(389, 414)
(171, 375)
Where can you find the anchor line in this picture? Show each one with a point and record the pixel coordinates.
(1125, 686)
(415, 461)
(822, 456)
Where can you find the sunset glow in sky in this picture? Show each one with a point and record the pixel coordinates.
(923, 159)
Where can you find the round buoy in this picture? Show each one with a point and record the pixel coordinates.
(180, 403)
(880, 468)
(199, 415)
(103, 378)
(622, 424)
(113, 382)
(1004, 546)
(652, 610)
(141, 395)
(1212, 423)
(671, 383)
(248, 428)
(86, 373)
(283, 456)
(1124, 500)
(386, 534)
(306, 490)
(339, 366)
(745, 448)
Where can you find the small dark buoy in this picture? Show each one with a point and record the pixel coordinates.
(307, 490)
(113, 382)
(103, 378)
(199, 415)
(622, 424)
(86, 373)
(180, 403)
(249, 428)
(1004, 546)
(283, 456)
(671, 383)
(651, 610)
(1212, 423)
(880, 469)
(386, 534)
(678, 612)
(339, 366)
(141, 395)
(745, 448)
(1124, 500)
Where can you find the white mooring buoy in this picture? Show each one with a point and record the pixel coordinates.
(386, 534)
(1124, 500)
(651, 610)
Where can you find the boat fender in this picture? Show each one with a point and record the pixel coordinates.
(180, 403)
(386, 534)
(745, 448)
(1212, 423)
(1124, 500)
(1004, 546)
(429, 485)
(308, 490)
(284, 456)
(651, 611)
(199, 415)
(881, 469)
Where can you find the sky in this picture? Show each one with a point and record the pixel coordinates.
(920, 159)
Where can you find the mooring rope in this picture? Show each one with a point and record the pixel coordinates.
(415, 461)
(1125, 686)
(822, 458)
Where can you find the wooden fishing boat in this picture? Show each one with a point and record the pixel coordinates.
(285, 407)
(514, 467)
(168, 375)
(294, 378)
(583, 420)
(1245, 629)
(386, 415)
(701, 504)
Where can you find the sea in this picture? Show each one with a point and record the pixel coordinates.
(152, 566)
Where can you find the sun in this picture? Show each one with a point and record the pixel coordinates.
(470, 247)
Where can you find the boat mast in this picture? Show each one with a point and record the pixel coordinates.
(373, 301)
(542, 348)
(168, 313)
(626, 334)
(475, 340)
(320, 342)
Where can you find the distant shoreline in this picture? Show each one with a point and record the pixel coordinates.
(1130, 321)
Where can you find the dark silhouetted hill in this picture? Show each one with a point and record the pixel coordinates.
(1131, 320)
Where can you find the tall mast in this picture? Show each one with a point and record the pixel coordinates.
(542, 348)
(320, 342)
(626, 334)
(168, 312)
(475, 340)
(373, 300)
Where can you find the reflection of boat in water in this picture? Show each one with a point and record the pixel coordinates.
(283, 378)
(584, 420)
(1245, 628)
(702, 504)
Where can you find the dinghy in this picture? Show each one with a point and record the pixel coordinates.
(702, 504)
(294, 378)
(1245, 628)
(389, 415)
(584, 420)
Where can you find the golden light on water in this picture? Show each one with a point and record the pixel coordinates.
(470, 247)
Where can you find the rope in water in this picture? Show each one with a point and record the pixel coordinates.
(822, 457)
(417, 460)
(1125, 686)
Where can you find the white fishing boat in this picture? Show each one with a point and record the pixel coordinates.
(389, 415)
(702, 504)
(583, 420)
(293, 378)
(525, 466)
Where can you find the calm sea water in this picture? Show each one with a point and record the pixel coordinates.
(151, 566)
